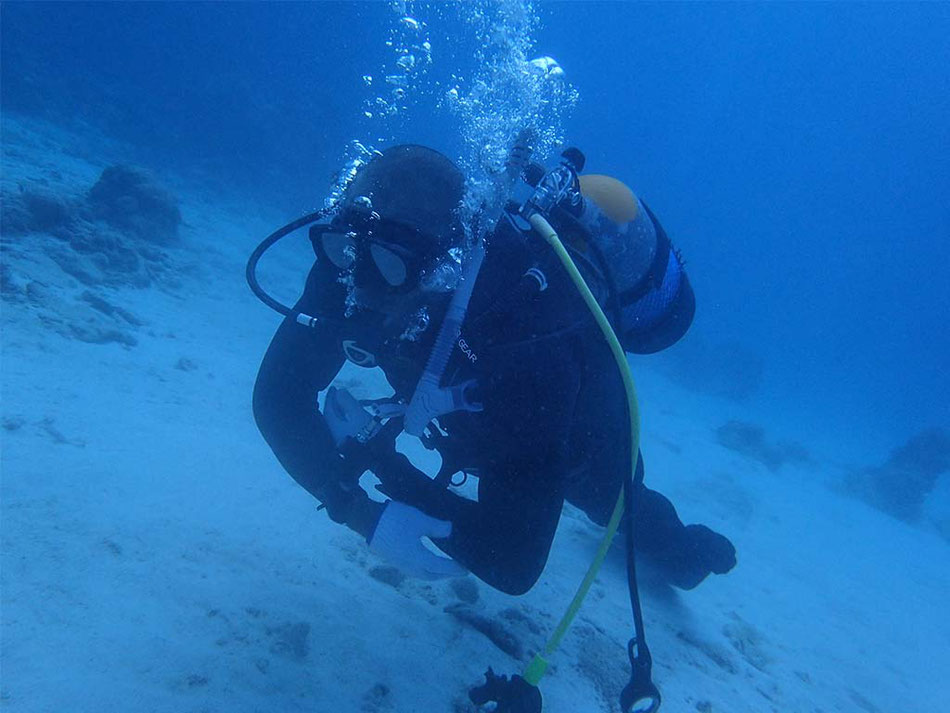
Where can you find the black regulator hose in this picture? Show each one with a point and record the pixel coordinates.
(640, 695)
(251, 271)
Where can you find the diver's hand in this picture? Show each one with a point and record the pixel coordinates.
(362, 441)
(346, 418)
(398, 538)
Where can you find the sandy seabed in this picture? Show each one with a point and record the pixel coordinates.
(157, 558)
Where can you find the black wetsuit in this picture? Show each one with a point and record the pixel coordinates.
(553, 415)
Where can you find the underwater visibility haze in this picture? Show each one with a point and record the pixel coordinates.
(157, 556)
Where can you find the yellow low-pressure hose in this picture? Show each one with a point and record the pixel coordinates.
(535, 670)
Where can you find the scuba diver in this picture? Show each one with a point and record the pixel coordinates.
(530, 402)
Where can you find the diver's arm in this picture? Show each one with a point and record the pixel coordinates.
(299, 363)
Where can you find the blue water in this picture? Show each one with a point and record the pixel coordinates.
(796, 153)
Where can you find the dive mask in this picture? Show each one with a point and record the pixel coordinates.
(377, 256)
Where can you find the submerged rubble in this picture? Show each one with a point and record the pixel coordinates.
(64, 252)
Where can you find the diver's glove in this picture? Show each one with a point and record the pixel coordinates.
(398, 539)
(346, 417)
(360, 438)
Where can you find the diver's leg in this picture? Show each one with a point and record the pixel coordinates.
(684, 554)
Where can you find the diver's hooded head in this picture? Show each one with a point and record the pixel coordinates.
(393, 234)
(415, 187)
(401, 210)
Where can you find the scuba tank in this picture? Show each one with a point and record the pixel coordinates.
(619, 247)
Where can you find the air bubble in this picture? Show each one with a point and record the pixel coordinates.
(411, 24)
